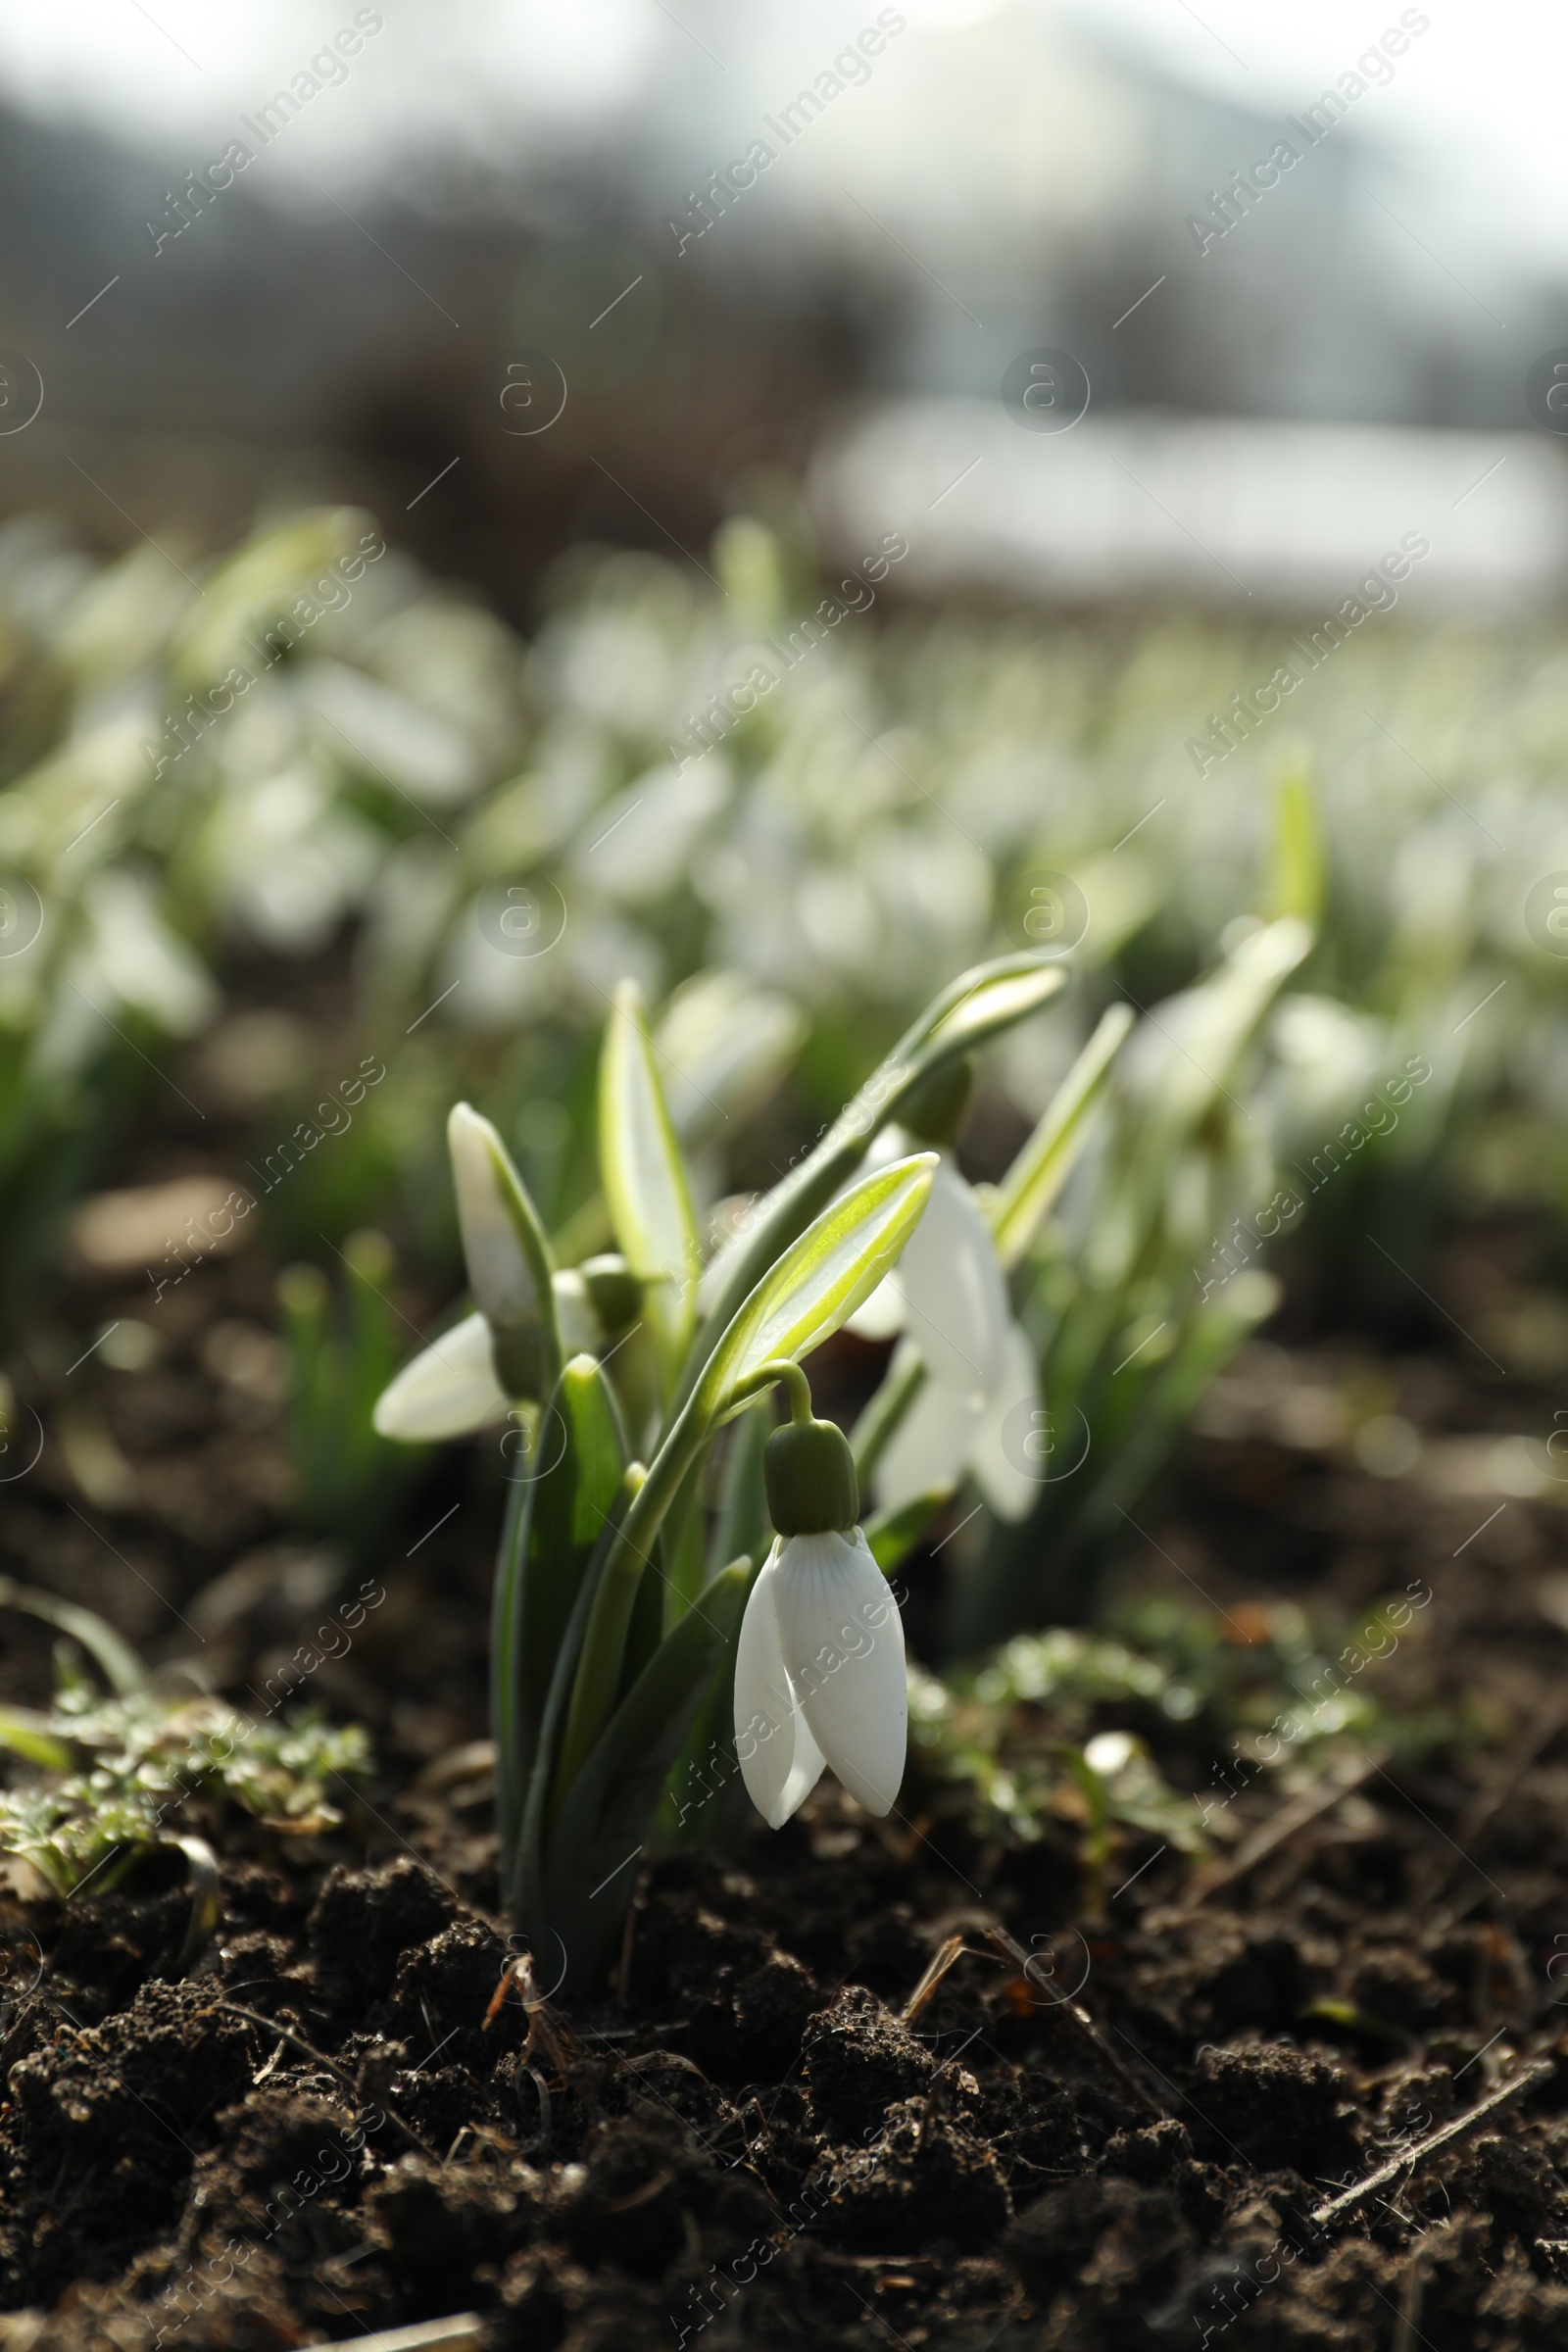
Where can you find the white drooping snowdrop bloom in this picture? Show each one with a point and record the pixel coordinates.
(472, 1375)
(819, 1671)
(948, 1296)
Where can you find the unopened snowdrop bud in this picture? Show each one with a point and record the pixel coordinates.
(449, 1390)
(819, 1671)
(505, 1283)
(616, 1294)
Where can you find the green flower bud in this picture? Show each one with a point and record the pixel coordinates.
(808, 1472)
(613, 1290)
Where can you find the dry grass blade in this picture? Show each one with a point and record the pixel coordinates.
(456, 2334)
(1288, 1822)
(1078, 2021)
(1539, 2071)
(951, 1951)
(549, 2035)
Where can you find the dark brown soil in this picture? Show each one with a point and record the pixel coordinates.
(743, 2141)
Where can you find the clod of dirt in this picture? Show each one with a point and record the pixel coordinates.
(925, 2179)
(860, 2062)
(1274, 2107)
(363, 1919)
(644, 2193)
(1518, 2184)
(109, 1946)
(118, 2110)
(1149, 2155)
(1055, 2239)
(438, 2224)
(441, 1992)
(282, 2151)
(752, 2032)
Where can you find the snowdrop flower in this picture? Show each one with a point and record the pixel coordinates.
(819, 1674)
(472, 1375)
(949, 1296)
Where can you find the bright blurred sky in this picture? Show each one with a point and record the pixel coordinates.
(1481, 90)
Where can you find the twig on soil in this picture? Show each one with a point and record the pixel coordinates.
(1291, 1819)
(456, 2334)
(1080, 2021)
(1416, 2154)
(952, 1950)
(270, 2025)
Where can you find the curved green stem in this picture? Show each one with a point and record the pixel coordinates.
(790, 1376)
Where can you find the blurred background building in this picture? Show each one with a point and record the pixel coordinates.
(295, 252)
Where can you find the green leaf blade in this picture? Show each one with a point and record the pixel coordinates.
(1026, 1195)
(554, 1519)
(645, 1177)
(821, 1279)
(978, 1005)
(597, 1835)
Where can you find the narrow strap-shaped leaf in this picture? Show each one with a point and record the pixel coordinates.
(122, 1667)
(893, 1534)
(978, 1004)
(28, 1733)
(1223, 1015)
(1296, 877)
(554, 1517)
(644, 1178)
(742, 1522)
(506, 1652)
(597, 1837)
(650, 1609)
(684, 1559)
(822, 1278)
(1025, 1197)
(524, 1898)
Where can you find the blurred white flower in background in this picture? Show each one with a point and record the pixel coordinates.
(948, 1296)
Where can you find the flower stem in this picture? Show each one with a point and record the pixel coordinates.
(791, 1377)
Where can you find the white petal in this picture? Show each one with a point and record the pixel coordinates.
(842, 1648)
(447, 1390)
(498, 1275)
(883, 1315)
(1005, 1477)
(927, 1452)
(580, 1334)
(952, 1279)
(780, 1761)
